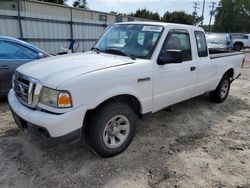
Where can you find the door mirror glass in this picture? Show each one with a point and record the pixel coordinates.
(40, 55)
(170, 56)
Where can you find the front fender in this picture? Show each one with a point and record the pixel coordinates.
(93, 89)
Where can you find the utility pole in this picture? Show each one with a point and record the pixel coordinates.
(203, 9)
(211, 13)
(196, 7)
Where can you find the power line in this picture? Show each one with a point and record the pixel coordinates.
(211, 13)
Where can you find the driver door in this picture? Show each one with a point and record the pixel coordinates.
(175, 82)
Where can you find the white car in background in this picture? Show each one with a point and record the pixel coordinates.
(239, 44)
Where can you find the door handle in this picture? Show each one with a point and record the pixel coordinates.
(4, 67)
(192, 68)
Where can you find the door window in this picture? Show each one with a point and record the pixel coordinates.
(201, 43)
(177, 40)
(246, 37)
(9, 50)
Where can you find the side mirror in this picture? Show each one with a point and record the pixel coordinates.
(40, 55)
(170, 56)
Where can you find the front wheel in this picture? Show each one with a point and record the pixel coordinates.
(220, 94)
(111, 129)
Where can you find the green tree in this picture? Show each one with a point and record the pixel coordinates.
(232, 16)
(80, 3)
(179, 17)
(62, 2)
(144, 13)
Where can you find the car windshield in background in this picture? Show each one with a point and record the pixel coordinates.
(216, 38)
(133, 40)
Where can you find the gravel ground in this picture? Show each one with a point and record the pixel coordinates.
(195, 143)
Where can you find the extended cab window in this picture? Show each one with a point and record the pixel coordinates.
(201, 43)
(178, 40)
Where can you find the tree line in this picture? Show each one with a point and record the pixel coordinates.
(171, 17)
(76, 3)
(230, 15)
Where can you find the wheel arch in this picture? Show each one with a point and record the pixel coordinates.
(230, 73)
(239, 43)
(128, 99)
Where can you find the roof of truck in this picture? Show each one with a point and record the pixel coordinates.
(163, 24)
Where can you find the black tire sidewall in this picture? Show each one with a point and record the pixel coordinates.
(98, 123)
(238, 47)
(215, 95)
(225, 78)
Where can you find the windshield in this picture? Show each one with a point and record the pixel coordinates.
(134, 40)
(216, 38)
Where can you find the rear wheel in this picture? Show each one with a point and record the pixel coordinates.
(220, 94)
(238, 47)
(111, 129)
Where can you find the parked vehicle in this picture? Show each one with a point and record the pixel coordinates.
(237, 35)
(239, 44)
(13, 53)
(219, 42)
(135, 68)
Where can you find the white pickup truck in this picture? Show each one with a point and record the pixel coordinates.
(239, 44)
(133, 69)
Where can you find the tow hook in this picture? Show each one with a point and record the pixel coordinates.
(235, 78)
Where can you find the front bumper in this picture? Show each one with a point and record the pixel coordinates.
(58, 127)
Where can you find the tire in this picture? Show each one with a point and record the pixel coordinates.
(107, 124)
(220, 94)
(238, 47)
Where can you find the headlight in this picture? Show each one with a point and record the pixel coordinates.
(54, 98)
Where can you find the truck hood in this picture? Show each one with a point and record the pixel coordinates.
(55, 70)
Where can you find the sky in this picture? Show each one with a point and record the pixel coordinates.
(160, 6)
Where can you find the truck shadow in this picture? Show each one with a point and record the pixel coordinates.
(186, 121)
(3, 99)
(3, 104)
(175, 129)
(182, 124)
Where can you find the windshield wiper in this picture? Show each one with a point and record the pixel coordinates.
(97, 50)
(119, 52)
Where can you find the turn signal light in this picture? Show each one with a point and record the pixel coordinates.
(64, 100)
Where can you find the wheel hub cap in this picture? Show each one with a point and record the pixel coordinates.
(116, 131)
(224, 89)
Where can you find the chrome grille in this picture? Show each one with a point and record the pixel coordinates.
(27, 89)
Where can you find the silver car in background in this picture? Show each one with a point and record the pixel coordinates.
(219, 42)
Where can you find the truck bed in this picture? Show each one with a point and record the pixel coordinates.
(224, 54)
